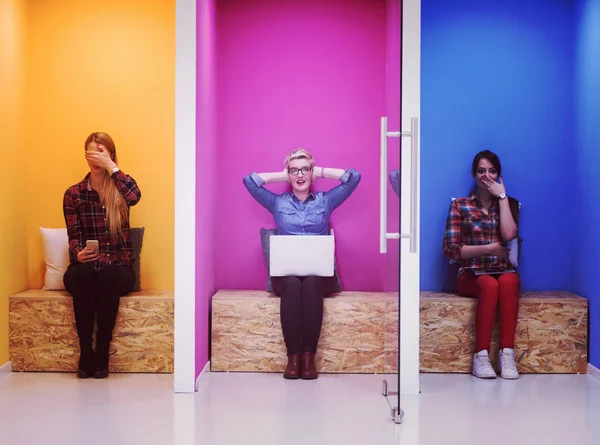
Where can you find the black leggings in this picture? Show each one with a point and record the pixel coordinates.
(302, 310)
(96, 293)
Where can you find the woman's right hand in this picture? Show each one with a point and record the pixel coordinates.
(86, 255)
(497, 249)
(270, 178)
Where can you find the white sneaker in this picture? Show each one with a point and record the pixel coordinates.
(507, 364)
(482, 367)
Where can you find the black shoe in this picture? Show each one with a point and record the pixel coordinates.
(101, 374)
(87, 360)
(81, 374)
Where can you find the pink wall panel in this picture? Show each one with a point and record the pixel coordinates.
(291, 74)
(206, 186)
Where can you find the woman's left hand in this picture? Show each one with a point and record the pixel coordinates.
(495, 189)
(100, 158)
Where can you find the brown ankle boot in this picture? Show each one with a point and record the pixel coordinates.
(309, 370)
(292, 370)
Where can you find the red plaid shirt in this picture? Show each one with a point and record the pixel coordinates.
(468, 225)
(85, 217)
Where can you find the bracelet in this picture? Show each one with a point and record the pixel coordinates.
(322, 172)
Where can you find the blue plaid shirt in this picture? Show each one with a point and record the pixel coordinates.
(311, 217)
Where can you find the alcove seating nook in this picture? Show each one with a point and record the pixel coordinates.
(42, 332)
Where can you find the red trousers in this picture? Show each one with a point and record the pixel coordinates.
(493, 291)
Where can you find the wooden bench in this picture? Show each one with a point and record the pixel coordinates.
(552, 333)
(42, 334)
(359, 333)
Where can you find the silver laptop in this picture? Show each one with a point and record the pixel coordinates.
(301, 255)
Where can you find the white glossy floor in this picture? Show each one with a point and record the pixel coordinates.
(264, 409)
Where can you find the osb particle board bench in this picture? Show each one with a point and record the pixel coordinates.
(42, 334)
(552, 333)
(359, 333)
(357, 336)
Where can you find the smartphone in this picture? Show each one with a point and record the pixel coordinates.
(93, 244)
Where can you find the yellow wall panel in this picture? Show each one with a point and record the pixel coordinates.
(13, 183)
(102, 65)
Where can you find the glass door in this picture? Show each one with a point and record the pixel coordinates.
(399, 200)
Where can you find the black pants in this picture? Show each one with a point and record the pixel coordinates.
(96, 293)
(302, 310)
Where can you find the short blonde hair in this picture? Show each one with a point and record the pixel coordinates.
(300, 153)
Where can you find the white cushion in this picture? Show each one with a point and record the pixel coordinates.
(56, 257)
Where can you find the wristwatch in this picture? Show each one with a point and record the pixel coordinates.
(115, 169)
(502, 195)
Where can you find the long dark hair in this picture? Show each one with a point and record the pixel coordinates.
(495, 161)
(490, 156)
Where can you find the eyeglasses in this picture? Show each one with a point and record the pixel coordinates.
(296, 171)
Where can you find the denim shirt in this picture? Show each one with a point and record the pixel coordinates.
(311, 217)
